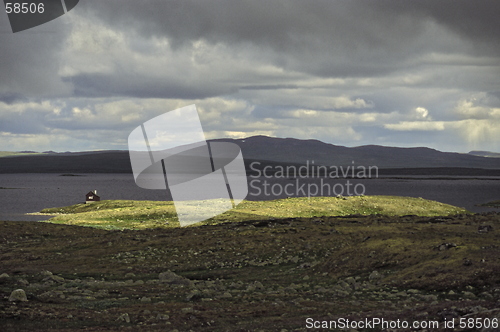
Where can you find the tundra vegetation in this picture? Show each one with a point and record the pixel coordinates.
(263, 266)
(123, 214)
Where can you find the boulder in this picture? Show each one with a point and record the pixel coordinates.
(124, 318)
(162, 317)
(55, 278)
(446, 246)
(18, 295)
(375, 276)
(484, 228)
(171, 278)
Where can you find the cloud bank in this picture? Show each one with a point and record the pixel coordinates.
(400, 73)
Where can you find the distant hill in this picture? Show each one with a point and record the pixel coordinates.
(297, 151)
(274, 151)
(76, 162)
(488, 154)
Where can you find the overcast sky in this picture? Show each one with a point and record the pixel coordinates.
(395, 73)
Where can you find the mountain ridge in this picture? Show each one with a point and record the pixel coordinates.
(293, 150)
(268, 150)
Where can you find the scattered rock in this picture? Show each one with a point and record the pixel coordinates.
(445, 246)
(162, 317)
(170, 277)
(23, 282)
(375, 276)
(124, 318)
(108, 300)
(350, 280)
(486, 295)
(18, 295)
(258, 285)
(55, 278)
(51, 295)
(194, 296)
(344, 285)
(250, 288)
(428, 298)
(225, 295)
(469, 295)
(484, 228)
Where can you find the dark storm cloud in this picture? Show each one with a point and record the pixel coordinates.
(123, 84)
(321, 38)
(29, 62)
(325, 38)
(12, 97)
(475, 20)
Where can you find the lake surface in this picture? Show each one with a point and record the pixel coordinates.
(33, 192)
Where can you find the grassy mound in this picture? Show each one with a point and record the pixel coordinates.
(127, 214)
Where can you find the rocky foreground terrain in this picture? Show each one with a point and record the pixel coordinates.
(270, 275)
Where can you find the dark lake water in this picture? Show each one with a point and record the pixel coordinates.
(33, 192)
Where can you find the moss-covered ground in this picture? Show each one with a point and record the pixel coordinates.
(116, 214)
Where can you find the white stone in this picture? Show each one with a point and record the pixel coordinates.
(46, 273)
(124, 318)
(18, 295)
